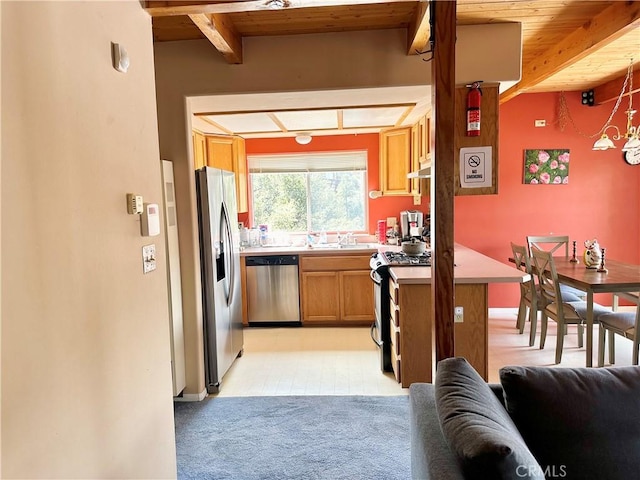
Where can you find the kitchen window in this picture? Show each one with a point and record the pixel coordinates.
(311, 192)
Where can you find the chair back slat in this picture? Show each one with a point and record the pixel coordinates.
(523, 263)
(545, 268)
(549, 243)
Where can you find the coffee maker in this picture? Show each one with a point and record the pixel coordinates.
(411, 224)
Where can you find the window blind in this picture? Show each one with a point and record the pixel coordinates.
(308, 162)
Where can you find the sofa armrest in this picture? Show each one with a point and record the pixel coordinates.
(430, 454)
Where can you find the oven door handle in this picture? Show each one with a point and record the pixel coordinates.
(375, 340)
(373, 278)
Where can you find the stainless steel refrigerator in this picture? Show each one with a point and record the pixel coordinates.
(220, 266)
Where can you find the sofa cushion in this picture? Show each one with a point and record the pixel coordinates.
(477, 427)
(578, 422)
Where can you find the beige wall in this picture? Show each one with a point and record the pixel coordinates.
(86, 379)
(271, 64)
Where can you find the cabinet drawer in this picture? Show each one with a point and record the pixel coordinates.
(395, 339)
(393, 291)
(394, 313)
(341, 262)
(395, 364)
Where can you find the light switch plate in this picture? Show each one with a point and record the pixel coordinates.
(458, 315)
(149, 258)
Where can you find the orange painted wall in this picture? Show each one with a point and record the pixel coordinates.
(380, 208)
(602, 199)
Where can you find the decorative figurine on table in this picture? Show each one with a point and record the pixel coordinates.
(592, 254)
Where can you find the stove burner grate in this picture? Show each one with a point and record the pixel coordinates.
(401, 258)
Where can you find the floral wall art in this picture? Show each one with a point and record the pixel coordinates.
(550, 167)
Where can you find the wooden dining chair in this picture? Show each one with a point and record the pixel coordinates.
(552, 305)
(549, 243)
(553, 244)
(625, 324)
(528, 292)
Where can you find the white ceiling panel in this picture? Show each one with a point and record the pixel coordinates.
(372, 117)
(309, 119)
(245, 122)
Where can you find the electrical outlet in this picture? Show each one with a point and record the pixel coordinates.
(540, 123)
(458, 315)
(417, 199)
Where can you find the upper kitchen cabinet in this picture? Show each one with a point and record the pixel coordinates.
(395, 161)
(228, 153)
(199, 150)
(220, 151)
(240, 169)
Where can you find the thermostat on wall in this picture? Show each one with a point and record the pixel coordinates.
(150, 220)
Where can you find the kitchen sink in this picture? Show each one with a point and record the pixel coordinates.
(341, 246)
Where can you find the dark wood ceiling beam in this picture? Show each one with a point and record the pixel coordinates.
(220, 32)
(604, 28)
(170, 8)
(419, 30)
(610, 91)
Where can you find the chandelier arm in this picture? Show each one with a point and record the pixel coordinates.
(619, 100)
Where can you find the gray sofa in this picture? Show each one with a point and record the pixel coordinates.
(539, 422)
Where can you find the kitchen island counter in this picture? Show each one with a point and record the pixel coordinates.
(412, 326)
(470, 267)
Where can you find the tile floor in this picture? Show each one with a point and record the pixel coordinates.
(344, 361)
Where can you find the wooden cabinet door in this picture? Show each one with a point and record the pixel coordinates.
(415, 158)
(356, 299)
(240, 169)
(220, 152)
(199, 150)
(320, 297)
(423, 142)
(395, 161)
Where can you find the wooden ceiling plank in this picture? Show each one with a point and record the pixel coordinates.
(165, 8)
(604, 28)
(217, 125)
(404, 115)
(611, 90)
(419, 31)
(274, 118)
(409, 106)
(221, 34)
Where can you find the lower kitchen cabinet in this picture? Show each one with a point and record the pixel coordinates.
(412, 330)
(320, 297)
(356, 299)
(336, 290)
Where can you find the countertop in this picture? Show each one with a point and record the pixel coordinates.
(360, 249)
(470, 267)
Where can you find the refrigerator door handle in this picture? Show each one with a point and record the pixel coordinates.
(229, 241)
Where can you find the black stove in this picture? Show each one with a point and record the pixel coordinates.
(380, 263)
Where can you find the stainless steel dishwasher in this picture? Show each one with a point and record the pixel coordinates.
(273, 293)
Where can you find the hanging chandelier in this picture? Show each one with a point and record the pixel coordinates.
(632, 135)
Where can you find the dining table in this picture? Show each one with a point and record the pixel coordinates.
(619, 277)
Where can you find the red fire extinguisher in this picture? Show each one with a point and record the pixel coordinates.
(473, 110)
